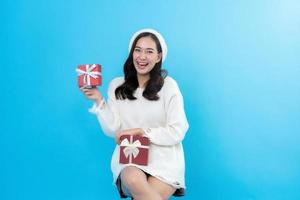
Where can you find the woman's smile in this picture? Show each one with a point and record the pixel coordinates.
(142, 64)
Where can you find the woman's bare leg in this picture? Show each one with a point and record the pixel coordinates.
(164, 190)
(135, 180)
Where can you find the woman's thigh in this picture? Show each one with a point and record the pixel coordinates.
(165, 190)
(133, 179)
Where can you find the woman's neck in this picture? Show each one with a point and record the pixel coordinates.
(142, 79)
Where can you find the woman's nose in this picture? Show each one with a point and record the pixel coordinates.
(142, 55)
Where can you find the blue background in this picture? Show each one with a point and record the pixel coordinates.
(238, 67)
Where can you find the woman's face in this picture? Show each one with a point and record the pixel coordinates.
(145, 55)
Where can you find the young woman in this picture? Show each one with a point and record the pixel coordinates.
(145, 102)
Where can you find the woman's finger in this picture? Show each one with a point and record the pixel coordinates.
(86, 90)
(118, 136)
(117, 139)
(89, 92)
(90, 95)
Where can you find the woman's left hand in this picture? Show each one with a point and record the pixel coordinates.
(134, 131)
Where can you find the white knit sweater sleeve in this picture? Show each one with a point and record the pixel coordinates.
(176, 122)
(107, 112)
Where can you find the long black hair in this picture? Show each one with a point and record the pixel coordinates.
(153, 85)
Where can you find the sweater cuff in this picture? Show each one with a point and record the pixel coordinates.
(147, 132)
(97, 108)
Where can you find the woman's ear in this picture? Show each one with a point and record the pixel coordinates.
(159, 57)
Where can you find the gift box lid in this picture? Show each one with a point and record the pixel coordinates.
(143, 139)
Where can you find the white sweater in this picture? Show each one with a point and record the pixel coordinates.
(164, 122)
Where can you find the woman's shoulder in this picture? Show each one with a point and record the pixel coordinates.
(170, 86)
(170, 83)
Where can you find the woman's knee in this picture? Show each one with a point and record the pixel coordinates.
(130, 182)
(164, 190)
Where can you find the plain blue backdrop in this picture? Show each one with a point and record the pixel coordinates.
(237, 64)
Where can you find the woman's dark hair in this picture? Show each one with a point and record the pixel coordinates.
(153, 85)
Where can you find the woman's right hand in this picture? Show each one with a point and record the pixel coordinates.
(92, 94)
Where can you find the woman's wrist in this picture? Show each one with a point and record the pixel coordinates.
(99, 101)
(142, 132)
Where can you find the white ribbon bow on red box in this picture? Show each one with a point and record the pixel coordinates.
(88, 73)
(132, 148)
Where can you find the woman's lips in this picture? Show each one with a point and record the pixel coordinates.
(142, 65)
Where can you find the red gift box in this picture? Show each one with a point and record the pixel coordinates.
(134, 149)
(89, 75)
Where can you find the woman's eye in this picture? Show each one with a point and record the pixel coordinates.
(149, 52)
(137, 50)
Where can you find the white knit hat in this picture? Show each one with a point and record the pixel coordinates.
(159, 37)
